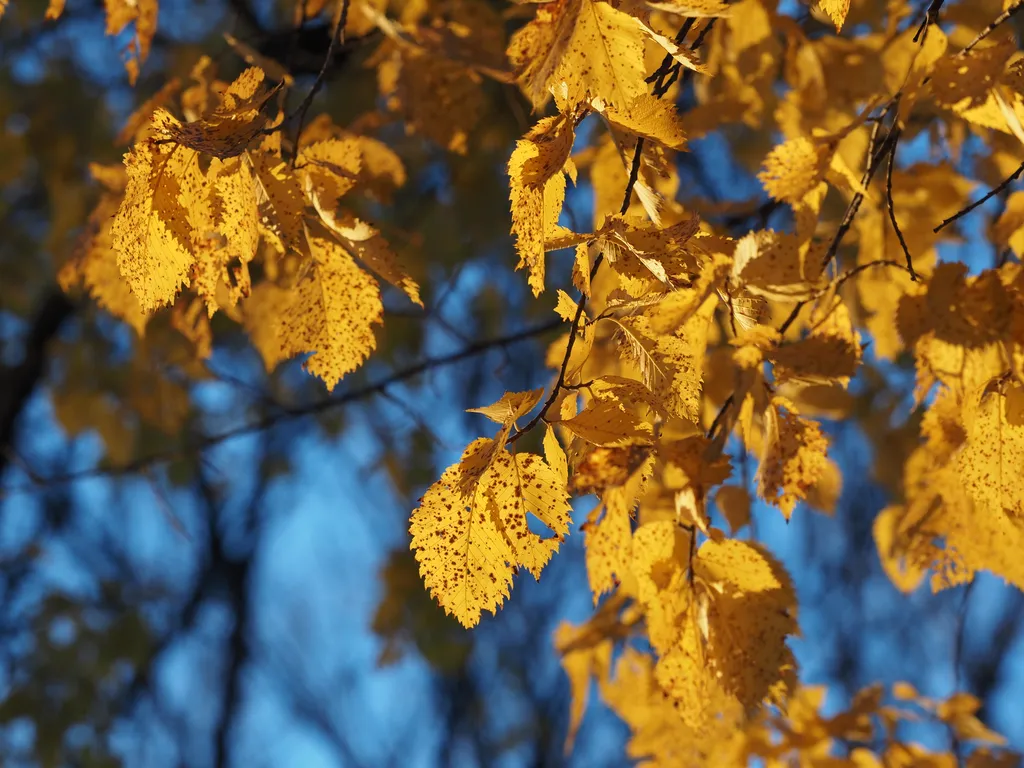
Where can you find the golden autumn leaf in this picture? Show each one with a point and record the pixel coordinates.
(330, 312)
(829, 353)
(280, 201)
(469, 541)
(794, 458)
(794, 169)
(510, 407)
(730, 653)
(151, 232)
(581, 665)
(222, 269)
(228, 129)
(836, 10)
(93, 263)
(608, 539)
(143, 13)
(605, 421)
(579, 50)
(671, 365)
(991, 463)
(537, 190)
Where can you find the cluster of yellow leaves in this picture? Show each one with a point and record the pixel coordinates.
(200, 200)
(801, 736)
(626, 422)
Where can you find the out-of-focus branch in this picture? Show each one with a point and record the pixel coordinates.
(18, 383)
(287, 414)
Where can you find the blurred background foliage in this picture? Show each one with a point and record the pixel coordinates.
(253, 602)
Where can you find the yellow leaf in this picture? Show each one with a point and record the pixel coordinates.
(367, 244)
(733, 501)
(752, 613)
(651, 118)
(566, 308)
(698, 9)
(510, 407)
(463, 557)
(605, 421)
(991, 464)
(54, 10)
(773, 265)
(329, 169)
(121, 13)
(537, 191)
(555, 455)
(580, 49)
(604, 468)
(150, 231)
(629, 391)
(959, 712)
(222, 266)
(94, 265)
(436, 97)
(260, 318)
(280, 200)
(331, 313)
(836, 10)
(227, 130)
(794, 458)
(671, 365)
(793, 169)
(660, 563)
(642, 253)
(608, 548)
(580, 665)
(830, 353)
(468, 540)
(682, 54)
(1009, 229)
(730, 652)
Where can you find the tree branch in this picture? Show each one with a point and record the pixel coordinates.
(286, 414)
(981, 201)
(20, 382)
(891, 207)
(996, 22)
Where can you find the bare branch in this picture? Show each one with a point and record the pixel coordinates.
(892, 209)
(981, 201)
(996, 22)
(289, 413)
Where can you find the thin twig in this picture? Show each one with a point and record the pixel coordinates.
(719, 417)
(998, 20)
(289, 413)
(666, 63)
(892, 209)
(931, 16)
(836, 285)
(337, 38)
(992, 193)
(876, 156)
